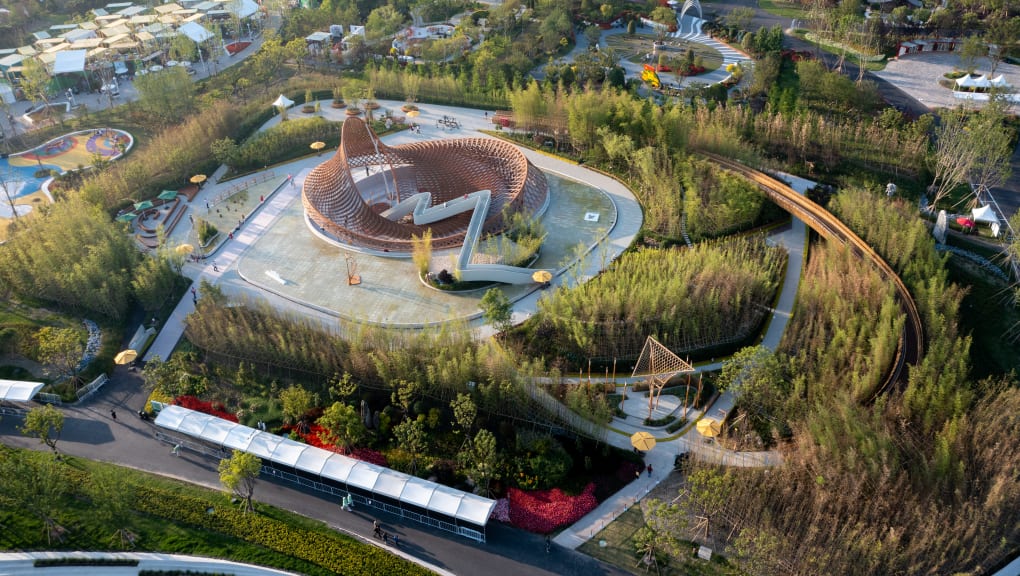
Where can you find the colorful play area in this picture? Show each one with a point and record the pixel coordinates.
(68, 152)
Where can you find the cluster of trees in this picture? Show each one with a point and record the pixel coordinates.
(688, 299)
(275, 144)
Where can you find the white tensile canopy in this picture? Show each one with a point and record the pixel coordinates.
(19, 391)
(195, 31)
(1000, 82)
(69, 61)
(970, 81)
(283, 102)
(984, 214)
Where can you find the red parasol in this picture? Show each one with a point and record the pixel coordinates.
(965, 222)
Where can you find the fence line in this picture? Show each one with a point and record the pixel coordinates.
(47, 398)
(565, 415)
(240, 187)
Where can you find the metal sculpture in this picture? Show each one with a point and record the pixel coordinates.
(688, 4)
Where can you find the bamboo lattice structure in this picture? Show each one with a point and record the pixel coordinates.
(447, 169)
(659, 365)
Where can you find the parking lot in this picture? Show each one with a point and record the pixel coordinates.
(918, 75)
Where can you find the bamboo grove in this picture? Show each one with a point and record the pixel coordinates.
(689, 299)
(920, 481)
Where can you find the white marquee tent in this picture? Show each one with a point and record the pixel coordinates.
(19, 391)
(415, 494)
(195, 31)
(984, 214)
(970, 81)
(69, 61)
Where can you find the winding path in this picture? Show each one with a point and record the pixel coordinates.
(911, 345)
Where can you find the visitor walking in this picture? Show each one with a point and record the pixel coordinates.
(113, 414)
(376, 530)
(176, 451)
(649, 469)
(385, 537)
(396, 541)
(548, 544)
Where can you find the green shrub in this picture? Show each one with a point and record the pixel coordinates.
(206, 231)
(285, 141)
(680, 423)
(338, 553)
(659, 421)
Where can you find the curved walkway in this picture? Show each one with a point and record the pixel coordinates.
(23, 564)
(794, 239)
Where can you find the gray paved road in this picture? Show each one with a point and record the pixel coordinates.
(90, 432)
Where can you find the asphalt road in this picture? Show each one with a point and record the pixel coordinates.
(90, 432)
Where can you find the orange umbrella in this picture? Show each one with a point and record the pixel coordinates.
(413, 114)
(542, 276)
(125, 357)
(643, 441)
(198, 178)
(709, 427)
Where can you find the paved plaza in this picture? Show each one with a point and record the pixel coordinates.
(918, 75)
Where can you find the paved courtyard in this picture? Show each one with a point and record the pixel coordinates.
(918, 75)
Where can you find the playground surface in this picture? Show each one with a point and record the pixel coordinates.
(18, 172)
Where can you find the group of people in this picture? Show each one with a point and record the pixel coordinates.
(378, 532)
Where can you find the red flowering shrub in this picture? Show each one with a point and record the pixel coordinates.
(501, 511)
(543, 511)
(215, 409)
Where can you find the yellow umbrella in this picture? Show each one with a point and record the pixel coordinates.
(709, 427)
(541, 276)
(413, 114)
(125, 357)
(184, 249)
(318, 146)
(198, 179)
(643, 441)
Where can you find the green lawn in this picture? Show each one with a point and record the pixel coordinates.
(86, 530)
(633, 49)
(781, 8)
(615, 545)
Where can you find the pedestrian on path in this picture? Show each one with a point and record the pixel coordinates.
(193, 293)
(548, 544)
(649, 469)
(376, 530)
(396, 541)
(385, 537)
(113, 414)
(176, 451)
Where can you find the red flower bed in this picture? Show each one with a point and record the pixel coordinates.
(235, 47)
(543, 511)
(216, 409)
(314, 438)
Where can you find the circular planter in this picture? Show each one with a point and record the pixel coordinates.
(372, 106)
(353, 112)
(308, 109)
(408, 107)
(339, 104)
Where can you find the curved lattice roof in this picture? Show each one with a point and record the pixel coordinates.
(447, 169)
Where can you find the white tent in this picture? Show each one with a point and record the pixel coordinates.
(984, 214)
(283, 102)
(242, 8)
(195, 31)
(1000, 82)
(69, 61)
(970, 81)
(18, 390)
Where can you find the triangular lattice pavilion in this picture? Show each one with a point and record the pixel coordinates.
(659, 364)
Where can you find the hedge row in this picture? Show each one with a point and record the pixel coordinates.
(337, 553)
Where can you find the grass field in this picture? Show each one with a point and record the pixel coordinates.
(616, 545)
(89, 527)
(784, 9)
(633, 49)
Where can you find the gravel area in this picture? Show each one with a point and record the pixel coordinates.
(919, 74)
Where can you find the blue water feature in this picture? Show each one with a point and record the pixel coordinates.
(21, 180)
